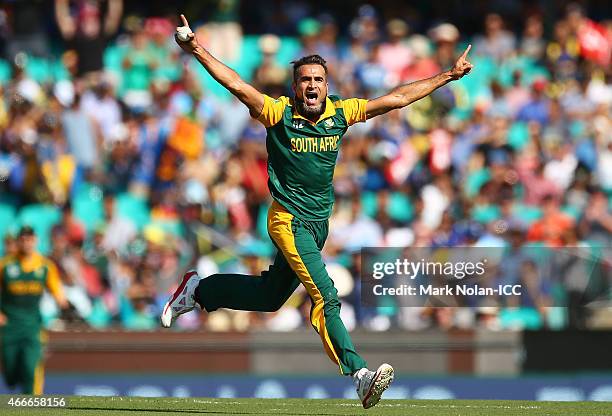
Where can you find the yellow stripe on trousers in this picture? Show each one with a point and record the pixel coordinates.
(39, 378)
(39, 371)
(279, 227)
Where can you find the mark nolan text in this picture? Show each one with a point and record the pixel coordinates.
(457, 290)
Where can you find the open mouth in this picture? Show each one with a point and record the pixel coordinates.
(310, 98)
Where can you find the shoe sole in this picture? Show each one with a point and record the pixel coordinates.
(382, 380)
(166, 316)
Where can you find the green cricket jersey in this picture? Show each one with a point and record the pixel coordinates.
(302, 155)
(22, 282)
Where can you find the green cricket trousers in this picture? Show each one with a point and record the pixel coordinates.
(22, 359)
(298, 260)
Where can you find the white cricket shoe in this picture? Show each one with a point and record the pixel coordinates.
(182, 300)
(371, 385)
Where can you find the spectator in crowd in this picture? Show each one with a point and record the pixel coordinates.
(422, 64)
(533, 44)
(553, 225)
(87, 32)
(445, 36)
(23, 29)
(118, 231)
(598, 219)
(269, 74)
(394, 54)
(222, 35)
(100, 105)
(80, 133)
(496, 42)
(538, 107)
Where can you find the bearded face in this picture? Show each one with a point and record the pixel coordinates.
(310, 89)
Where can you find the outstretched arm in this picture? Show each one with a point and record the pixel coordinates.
(408, 93)
(223, 74)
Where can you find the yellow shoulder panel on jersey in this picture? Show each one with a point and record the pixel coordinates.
(354, 109)
(272, 111)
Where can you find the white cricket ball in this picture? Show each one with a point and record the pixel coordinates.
(182, 33)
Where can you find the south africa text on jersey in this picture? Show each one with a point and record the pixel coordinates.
(314, 144)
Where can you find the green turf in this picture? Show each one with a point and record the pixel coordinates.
(107, 406)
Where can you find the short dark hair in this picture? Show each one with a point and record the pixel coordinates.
(26, 230)
(309, 60)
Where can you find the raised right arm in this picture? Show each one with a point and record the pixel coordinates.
(65, 22)
(224, 75)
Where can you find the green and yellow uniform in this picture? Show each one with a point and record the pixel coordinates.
(22, 282)
(302, 155)
(301, 160)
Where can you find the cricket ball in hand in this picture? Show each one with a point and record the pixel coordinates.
(182, 33)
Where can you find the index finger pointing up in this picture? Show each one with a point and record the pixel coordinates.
(467, 50)
(185, 22)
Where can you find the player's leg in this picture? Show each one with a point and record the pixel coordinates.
(301, 243)
(265, 293)
(10, 351)
(32, 371)
(298, 245)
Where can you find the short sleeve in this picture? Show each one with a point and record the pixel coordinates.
(272, 111)
(54, 284)
(354, 110)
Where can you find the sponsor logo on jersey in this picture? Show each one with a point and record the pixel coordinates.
(21, 288)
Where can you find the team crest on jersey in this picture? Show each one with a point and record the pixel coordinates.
(12, 271)
(298, 124)
(329, 123)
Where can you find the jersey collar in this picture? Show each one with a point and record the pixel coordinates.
(330, 111)
(31, 263)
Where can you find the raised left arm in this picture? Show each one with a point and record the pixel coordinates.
(406, 94)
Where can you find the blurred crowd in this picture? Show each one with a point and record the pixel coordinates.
(133, 166)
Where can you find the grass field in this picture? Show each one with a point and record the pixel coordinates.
(110, 406)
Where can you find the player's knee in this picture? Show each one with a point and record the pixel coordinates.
(331, 307)
(269, 303)
(330, 296)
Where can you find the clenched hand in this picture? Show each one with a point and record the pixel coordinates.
(191, 43)
(462, 66)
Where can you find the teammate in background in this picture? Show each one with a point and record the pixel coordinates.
(304, 134)
(23, 278)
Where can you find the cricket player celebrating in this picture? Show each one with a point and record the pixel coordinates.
(23, 278)
(304, 134)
